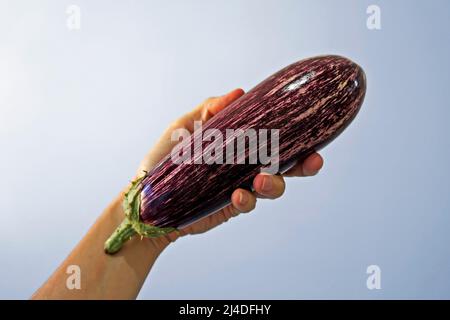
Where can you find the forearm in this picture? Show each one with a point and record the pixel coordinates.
(104, 276)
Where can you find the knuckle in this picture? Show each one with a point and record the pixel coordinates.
(282, 187)
(209, 101)
(231, 211)
(175, 125)
(250, 205)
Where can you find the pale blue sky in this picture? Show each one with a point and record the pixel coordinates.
(79, 109)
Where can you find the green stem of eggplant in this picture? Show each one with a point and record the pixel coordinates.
(122, 234)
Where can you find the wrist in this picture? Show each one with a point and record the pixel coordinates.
(155, 245)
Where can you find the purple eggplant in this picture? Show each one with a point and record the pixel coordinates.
(304, 107)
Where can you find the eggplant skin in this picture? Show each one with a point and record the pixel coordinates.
(311, 102)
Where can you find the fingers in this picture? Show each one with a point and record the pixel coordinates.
(218, 104)
(243, 200)
(202, 112)
(269, 186)
(312, 164)
(309, 167)
(207, 109)
(265, 185)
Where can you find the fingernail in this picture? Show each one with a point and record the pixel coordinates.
(266, 184)
(311, 173)
(242, 198)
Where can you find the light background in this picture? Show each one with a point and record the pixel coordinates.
(79, 109)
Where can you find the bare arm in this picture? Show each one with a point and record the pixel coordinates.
(121, 276)
(104, 276)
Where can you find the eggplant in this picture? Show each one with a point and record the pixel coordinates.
(305, 106)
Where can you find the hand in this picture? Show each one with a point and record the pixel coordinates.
(122, 275)
(242, 201)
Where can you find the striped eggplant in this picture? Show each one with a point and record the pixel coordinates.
(309, 103)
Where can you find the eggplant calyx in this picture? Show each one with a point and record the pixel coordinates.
(132, 223)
